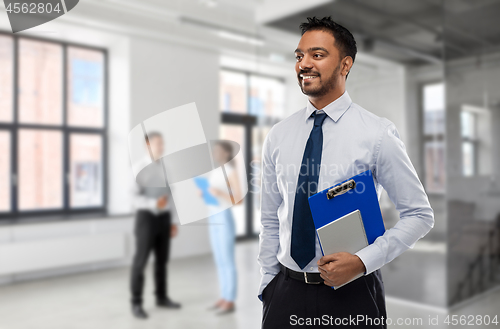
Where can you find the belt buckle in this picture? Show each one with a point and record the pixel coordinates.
(307, 281)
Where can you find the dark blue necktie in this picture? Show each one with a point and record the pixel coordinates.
(303, 246)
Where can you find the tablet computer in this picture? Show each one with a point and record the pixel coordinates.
(346, 233)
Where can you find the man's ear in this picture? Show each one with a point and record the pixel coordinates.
(346, 65)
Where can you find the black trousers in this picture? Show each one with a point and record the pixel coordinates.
(289, 303)
(152, 233)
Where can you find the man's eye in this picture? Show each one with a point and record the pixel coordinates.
(298, 57)
(318, 55)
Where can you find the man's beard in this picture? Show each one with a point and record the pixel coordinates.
(324, 88)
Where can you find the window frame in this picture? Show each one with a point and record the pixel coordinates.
(13, 127)
(473, 141)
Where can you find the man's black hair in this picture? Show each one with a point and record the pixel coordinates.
(344, 40)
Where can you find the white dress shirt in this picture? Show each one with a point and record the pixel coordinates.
(354, 140)
(145, 195)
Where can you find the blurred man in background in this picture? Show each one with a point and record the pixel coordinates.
(153, 228)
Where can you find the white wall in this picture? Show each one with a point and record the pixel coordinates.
(29, 251)
(379, 87)
(166, 75)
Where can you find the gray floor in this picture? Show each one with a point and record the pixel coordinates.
(100, 300)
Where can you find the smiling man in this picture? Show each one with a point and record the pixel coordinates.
(328, 141)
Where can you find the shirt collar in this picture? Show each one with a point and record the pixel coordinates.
(334, 110)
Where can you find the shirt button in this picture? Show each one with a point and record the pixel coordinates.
(312, 267)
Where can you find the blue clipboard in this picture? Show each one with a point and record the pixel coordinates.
(357, 192)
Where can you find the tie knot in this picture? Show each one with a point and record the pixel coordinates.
(319, 118)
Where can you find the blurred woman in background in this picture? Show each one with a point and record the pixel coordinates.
(222, 226)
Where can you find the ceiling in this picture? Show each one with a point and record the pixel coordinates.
(411, 32)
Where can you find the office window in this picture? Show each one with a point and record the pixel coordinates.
(5, 170)
(468, 156)
(85, 87)
(433, 132)
(250, 105)
(267, 97)
(468, 133)
(40, 165)
(246, 93)
(477, 138)
(6, 78)
(52, 139)
(233, 92)
(40, 82)
(86, 168)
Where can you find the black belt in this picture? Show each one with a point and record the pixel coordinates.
(307, 277)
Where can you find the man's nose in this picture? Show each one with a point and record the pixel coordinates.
(306, 63)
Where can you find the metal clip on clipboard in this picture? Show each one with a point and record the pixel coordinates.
(341, 189)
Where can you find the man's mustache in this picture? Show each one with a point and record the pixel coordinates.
(307, 72)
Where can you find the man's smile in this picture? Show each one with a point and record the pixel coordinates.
(307, 77)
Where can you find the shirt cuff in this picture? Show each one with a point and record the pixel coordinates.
(266, 278)
(371, 257)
